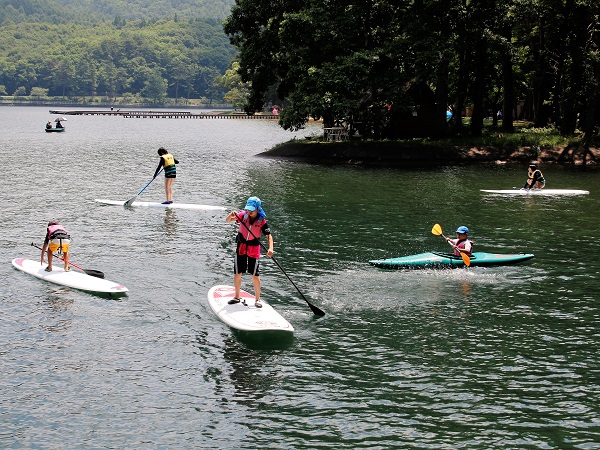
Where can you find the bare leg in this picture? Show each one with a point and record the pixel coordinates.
(169, 188)
(256, 282)
(66, 258)
(237, 284)
(49, 258)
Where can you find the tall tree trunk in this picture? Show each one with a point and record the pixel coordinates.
(461, 93)
(478, 91)
(507, 84)
(440, 127)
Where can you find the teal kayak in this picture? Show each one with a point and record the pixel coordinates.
(441, 259)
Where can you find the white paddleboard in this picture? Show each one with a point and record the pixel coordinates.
(536, 191)
(245, 317)
(72, 278)
(160, 205)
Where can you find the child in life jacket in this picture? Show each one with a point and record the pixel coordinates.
(535, 178)
(167, 161)
(461, 242)
(253, 224)
(57, 238)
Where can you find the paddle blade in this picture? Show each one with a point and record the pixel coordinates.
(94, 273)
(437, 229)
(315, 310)
(130, 201)
(465, 259)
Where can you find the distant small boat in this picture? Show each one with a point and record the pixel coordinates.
(57, 130)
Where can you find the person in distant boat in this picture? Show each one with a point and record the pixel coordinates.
(168, 162)
(49, 125)
(461, 244)
(58, 124)
(535, 178)
(253, 224)
(57, 238)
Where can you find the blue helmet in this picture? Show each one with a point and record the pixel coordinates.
(463, 230)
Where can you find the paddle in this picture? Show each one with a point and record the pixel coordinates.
(133, 199)
(437, 230)
(93, 273)
(315, 310)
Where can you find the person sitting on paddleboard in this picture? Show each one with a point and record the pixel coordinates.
(535, 178)
(168, 162)
(461, 242)
(57, 238)
(253, 224)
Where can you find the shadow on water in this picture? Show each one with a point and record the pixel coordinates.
(265, 340)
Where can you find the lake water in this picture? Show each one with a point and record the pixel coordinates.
(505, 357)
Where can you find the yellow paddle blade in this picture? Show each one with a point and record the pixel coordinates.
(437, 229)
(465, 259)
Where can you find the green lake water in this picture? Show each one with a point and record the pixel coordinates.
(501, 357)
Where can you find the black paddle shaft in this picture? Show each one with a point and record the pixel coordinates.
(90, 272)
(315, 310)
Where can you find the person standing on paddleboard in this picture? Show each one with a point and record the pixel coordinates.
(57, 238)
(535, 178)
(168, 162)
(461, 242)
(253, 224)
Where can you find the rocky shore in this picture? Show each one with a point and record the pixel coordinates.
(420, 155)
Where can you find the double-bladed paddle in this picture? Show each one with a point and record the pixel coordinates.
(315, 310)
(437, 230)
(133, 199)
(93, 273)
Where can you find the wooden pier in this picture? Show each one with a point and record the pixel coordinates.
(164, 114)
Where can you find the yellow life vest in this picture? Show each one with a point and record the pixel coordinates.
(169, 160)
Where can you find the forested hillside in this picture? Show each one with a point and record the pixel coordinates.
(94, 11)
(79, 48)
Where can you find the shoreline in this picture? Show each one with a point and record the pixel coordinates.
(412, 155)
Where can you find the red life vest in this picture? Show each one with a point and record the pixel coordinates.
(463, 245)
(248, 243)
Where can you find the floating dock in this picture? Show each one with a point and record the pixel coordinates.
(164, 114)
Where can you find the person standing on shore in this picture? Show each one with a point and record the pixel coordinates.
(253, 224)
(168, 162)
(535, 178)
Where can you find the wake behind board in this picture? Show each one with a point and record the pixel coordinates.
(72, 278)
(160, 205)
(245, 317)
(549, 192)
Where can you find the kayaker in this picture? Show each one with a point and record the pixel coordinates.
(461, 242)
(57, 238)
(168, 162)
(253, 224)
(535, 178)
(49, 125)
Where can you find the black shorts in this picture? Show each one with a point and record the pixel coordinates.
(245, 264)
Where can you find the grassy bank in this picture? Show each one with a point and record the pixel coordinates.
(526, 144)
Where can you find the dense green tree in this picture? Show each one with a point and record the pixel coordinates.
(373, 62)
(155, 87)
